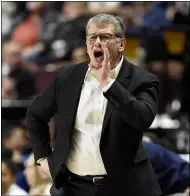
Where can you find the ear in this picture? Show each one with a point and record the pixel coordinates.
(87, 48)
(122, 45)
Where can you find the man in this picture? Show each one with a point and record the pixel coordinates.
(102, 109)
(15, 76)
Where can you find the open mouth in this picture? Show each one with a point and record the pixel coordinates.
(99, 56)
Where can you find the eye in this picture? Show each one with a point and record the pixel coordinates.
(93, 37)
(105, 38)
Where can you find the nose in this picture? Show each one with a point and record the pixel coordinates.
(98, 41)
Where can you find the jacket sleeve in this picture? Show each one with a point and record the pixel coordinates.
(137, 109)
(174, 175)
(38, 116)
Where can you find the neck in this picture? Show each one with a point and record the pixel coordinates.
(114, 65)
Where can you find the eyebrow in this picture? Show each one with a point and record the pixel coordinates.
(101, 34)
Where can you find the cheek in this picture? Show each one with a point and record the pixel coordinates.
(89, 49)
(114, 49)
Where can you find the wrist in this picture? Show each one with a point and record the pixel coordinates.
(105, 82)
(41, 160)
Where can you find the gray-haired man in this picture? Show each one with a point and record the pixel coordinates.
(103, 107)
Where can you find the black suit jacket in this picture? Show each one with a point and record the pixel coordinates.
(130, 111)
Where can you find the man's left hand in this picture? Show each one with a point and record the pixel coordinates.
(187, 190)
(103, 74)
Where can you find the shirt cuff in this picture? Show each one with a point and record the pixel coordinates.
(108, 85)
(38, 161)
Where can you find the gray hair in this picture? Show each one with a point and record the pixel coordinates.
(110, 19)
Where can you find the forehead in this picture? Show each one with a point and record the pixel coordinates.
(101, 28)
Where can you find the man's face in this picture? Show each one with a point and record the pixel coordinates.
(99, 34)
(18, 139)
(12, 54)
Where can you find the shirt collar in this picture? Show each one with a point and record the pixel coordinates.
(114, 72)
(118, 67)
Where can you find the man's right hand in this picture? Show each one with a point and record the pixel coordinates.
(45, 166)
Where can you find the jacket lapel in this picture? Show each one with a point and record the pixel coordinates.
(75, 82)
(124, 79)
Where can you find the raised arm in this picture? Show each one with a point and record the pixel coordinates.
(137, 109)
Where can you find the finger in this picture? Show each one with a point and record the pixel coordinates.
(109, 64)
(105, 53)
(92, 59)
(108, 53)
(106, 56)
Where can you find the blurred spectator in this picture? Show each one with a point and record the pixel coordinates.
(107, 7)
(185, 107)
(172, 87)
(127, 14)
(9, 89)
(38, 181)
(36, 26)
(18, 82)
(79, 55)
(30, 26)
(12, 13)
(59, 46)
(8, 9)
(72, 10)
(149, 15)
(54, 44)
(153, 138)
(178, 13)
(6, 153)
(9, 186)
(172, 172)
(20, 8)
(15, 140)
(71, 22)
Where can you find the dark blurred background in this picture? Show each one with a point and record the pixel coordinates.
(39, 37)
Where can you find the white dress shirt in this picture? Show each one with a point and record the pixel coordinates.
(84, 156)
(15, 190)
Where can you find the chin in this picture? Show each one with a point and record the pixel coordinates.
(98, 66)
